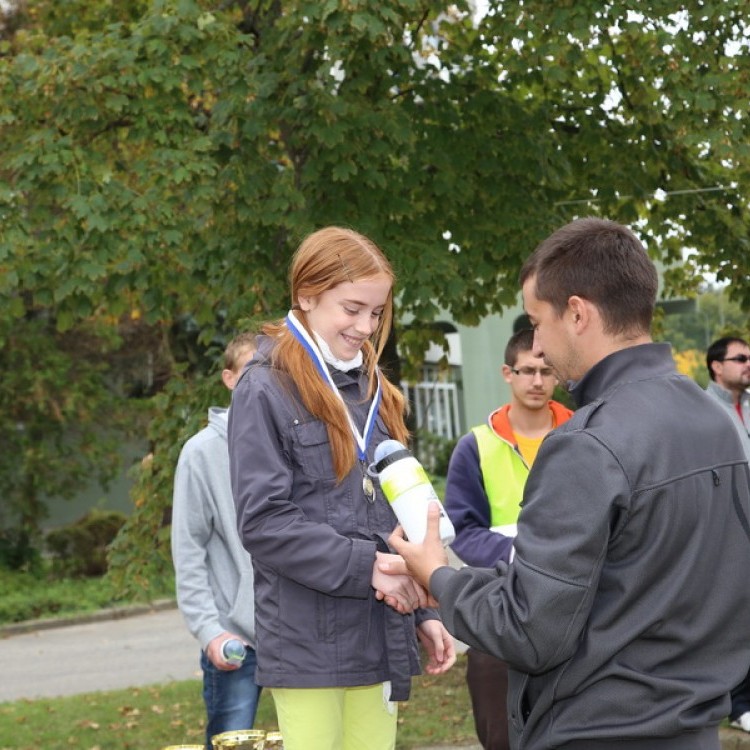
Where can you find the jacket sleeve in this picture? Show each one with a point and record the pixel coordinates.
(273, 528)
(532, 612)
(468, 507)
(191, 529)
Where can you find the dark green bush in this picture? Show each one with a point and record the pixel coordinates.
(80, 549)
(18, 550)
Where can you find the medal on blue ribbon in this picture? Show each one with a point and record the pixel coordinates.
(361, 439)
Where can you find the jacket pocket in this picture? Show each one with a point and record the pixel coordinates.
(325, 618)
(312, 451)
(518, 702)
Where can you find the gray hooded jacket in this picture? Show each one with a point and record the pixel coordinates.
(214, 575)
(625, 611)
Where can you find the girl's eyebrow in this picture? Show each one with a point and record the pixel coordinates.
(359, 302)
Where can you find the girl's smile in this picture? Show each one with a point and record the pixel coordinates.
(348, 314)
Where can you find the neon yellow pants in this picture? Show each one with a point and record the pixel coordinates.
(354, 718)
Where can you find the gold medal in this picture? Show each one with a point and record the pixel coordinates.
(368, 488)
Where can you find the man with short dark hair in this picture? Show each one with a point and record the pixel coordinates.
(728, 362)
(623, 614)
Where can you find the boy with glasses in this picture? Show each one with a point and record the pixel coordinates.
(728, 362)
(486, 476)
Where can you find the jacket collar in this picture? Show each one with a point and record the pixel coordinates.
(634, 363)
(724, 395)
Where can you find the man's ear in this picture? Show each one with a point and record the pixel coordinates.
(506, 373)
(579, 310)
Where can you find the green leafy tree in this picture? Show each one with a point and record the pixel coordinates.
(691, 333)
(61, 420)
(165, 164)
(181, 410)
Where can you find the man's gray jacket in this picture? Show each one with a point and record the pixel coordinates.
(626, 610)
(724, 397)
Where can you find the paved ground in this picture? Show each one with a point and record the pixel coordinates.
(107, 654)
(110, 651)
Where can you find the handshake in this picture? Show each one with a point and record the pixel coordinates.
(402, 579)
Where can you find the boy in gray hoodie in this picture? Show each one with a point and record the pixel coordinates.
(214, 574)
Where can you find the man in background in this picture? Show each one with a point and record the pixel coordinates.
(728, 362)
(483, 493)
(214, 574)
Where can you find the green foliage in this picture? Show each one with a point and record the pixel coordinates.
(716, 315)
(80, 548)
(40, 594)
(162, 160)
(629, 103)
(433, 451)
(64, 419)
(140, 556)
(18, 550)
(71, 17)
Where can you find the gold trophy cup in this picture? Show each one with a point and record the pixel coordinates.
(246, 739)
(273, 741)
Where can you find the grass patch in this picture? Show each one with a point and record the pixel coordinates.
(438, 712)
(39, 595)
(153, 717)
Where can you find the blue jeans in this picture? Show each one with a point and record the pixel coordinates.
(231, 697)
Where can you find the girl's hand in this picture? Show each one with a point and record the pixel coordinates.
(399, 591)
(439, 645)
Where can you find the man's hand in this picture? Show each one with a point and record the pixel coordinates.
(421, 559)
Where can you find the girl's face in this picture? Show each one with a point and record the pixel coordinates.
(348, 314)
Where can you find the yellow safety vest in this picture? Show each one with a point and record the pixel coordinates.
(504, 475)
